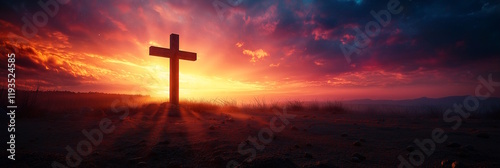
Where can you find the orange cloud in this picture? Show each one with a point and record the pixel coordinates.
(256, 55)
(274, 65)
(239, 44)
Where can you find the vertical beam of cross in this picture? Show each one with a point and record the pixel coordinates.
(174, 54)
(174, 69)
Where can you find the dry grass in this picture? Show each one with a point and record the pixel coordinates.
(335, 107)
(48, 103)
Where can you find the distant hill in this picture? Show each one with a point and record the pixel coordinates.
(424, 101)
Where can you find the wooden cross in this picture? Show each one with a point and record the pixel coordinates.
(174, 54)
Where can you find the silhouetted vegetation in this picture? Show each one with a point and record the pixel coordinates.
(38, 103)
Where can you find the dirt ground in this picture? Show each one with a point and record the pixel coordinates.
(149, 137)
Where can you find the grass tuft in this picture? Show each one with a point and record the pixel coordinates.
(335, 107)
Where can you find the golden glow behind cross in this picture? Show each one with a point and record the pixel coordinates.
(174, 54)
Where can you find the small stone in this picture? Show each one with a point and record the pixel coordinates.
(308, 155)
(468, 147)
(462, 153)
(453, 145)
(165, 142)
(142, 142)
(135, 160)
(212, 127)
(154, 153)
(410, 148)
(142, 164)
(217, 161)
(359, 156)
(355, 159)
(483, 135)
(357, 143)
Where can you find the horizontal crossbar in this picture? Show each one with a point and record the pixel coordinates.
(165, 52)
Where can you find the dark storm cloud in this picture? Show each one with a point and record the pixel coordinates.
(428, 34)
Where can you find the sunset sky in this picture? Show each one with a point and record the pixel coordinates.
(256, 49)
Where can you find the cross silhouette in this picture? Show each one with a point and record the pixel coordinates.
(174, 54)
